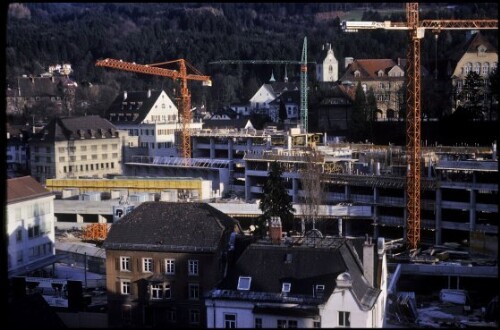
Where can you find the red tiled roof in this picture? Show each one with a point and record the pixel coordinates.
(23, 188)
(370, 67)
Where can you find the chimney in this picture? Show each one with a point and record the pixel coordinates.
(124, 95)
(149, 93)
(368, 260)
(347, 61)
(275, 230)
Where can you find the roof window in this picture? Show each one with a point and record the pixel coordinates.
(244, 282)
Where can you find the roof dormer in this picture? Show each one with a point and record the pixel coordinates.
(380, 73)
(357, 73)
(481, 50)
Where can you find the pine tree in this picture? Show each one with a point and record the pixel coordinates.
(276, 201)
(357, 123)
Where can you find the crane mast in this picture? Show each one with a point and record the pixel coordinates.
(185, 95)
(303, 78)
(416, 30)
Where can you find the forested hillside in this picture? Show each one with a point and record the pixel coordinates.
(41, 34)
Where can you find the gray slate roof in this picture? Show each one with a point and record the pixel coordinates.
(66, 128)
(309, 266)
(137, 107)
(164, 226)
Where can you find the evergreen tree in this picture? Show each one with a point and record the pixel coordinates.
(371, 106)
(276, 201)
(472, 97)
(357, 123)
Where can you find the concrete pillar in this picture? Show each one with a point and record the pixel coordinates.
(472, 210)
(101, 219)
(347, 194)
(212, 148)
(375, 212)
(230, 146)
(437, 211)
(79, 218)
(295, 190)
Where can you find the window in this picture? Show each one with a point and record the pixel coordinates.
(286, 324)
(194, 291)
(19, 235)
(194, 316)
(285, 287)
(126, 313)
(156, 291)
(258, 322)
(125, 287)
(244, 283)
(468, 68)
(317, 324)
(61, 159)
(344, 319)
(477, 68)
(104, 147)
(83, 148)
(147, 265)
(170, 266)
(171, 316)
(193, 267)
(125, 263)
(486, 68)
(229, 321)
(167, 292)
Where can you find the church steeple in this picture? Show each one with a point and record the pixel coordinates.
(272, 77)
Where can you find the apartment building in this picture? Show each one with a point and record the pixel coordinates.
(29, 226)
(384, 76)
(479, 56)
(161, 259)
(306, 282)
(75, 147)
(153, 118)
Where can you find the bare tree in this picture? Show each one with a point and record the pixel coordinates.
(311, 178)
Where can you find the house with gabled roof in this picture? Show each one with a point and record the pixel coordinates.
(384, 76)
(303, 282)
(161, 259)
(290, 100)
(152, 117)
(73, 147)
(56, 94)
(29, 226)
(335, 108)
(478, 55)
(267, 93)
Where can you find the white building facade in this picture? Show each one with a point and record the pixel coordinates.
(30, 225)
(309, 297)
(153, 118)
